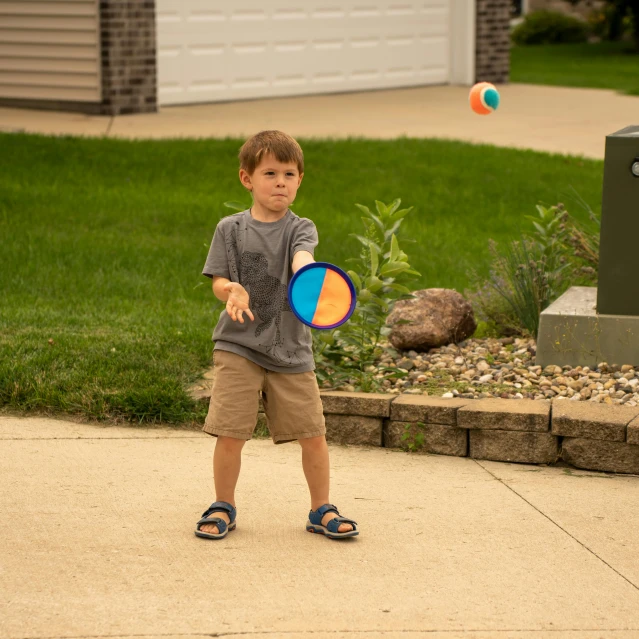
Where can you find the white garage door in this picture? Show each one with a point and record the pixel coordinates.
(211, 51)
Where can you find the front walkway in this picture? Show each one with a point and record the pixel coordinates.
(96, 540)
(554, 119)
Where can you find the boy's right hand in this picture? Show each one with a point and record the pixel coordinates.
(238, 302)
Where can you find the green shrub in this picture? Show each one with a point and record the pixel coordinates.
(496, 317)
(550, 27)
(611, 22)
(532, 273)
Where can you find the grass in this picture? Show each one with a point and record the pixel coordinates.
(104, 313)
(603, 65)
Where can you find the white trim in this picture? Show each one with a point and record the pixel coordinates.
(462, 42)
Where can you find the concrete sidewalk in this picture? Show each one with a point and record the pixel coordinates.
(554, 119)
(97, 540)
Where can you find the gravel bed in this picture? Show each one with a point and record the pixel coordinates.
(505, 367)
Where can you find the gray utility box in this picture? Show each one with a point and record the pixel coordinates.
(586, 326)
(618, 285)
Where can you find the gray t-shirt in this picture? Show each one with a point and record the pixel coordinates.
(259, 256)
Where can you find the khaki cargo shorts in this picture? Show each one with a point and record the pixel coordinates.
(291, 401)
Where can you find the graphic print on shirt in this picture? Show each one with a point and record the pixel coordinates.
(233, 243)
(268, 296)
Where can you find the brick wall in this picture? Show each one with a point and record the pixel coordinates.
(129, 73)
(492, 49)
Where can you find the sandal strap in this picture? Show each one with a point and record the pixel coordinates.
(220, 523)
(315, 516)
(334, 524)
(221, 506)
(325, 508)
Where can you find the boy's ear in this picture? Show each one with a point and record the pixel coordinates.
(245, 179)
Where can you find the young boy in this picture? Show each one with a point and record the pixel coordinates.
(259, 343)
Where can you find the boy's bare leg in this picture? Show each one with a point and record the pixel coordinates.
(227, 459)
(316, 468)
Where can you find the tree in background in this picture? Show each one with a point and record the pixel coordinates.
(617, 12)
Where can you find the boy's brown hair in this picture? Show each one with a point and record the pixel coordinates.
(282, 146)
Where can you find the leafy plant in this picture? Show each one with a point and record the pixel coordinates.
(530, 274)
(528, 283)
(236, 206)
(615, 20)
(380, 275)
(583, 241)
(566, 243)
(496, 315)
(417, 441)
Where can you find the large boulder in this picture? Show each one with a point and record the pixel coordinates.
(436, 316)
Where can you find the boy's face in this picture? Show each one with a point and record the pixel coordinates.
(273, 184)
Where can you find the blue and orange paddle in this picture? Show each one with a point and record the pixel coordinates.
(321, 295)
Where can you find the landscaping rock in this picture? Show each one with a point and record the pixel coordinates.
(504, 414)
(354, 429)
(436, 316)
(512, 446)
(593, 454)
(605, 422)
(438, 439)
(429, 410)
(368, 404)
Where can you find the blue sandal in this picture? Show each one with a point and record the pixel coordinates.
(314, 523)
(222, 526)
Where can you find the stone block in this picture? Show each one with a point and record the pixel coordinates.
(429, 410)
(438, 438)
(572, 332)
(366, 404)
(353, 429)
(592, 421)
(632, 436)
(505, 414)
(513, 446)
(597, 454)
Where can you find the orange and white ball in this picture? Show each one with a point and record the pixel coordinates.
(484, 98)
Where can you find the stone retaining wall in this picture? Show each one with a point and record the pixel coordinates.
(586, 435)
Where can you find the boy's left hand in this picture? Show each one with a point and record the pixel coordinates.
(238, 302)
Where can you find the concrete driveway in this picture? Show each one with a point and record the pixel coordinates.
(553, 119)
(97, 541)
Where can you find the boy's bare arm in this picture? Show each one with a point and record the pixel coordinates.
(235, 296)
(218, 288)
(301, 258)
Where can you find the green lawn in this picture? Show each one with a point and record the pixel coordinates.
(103, 309)
(605, 65)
